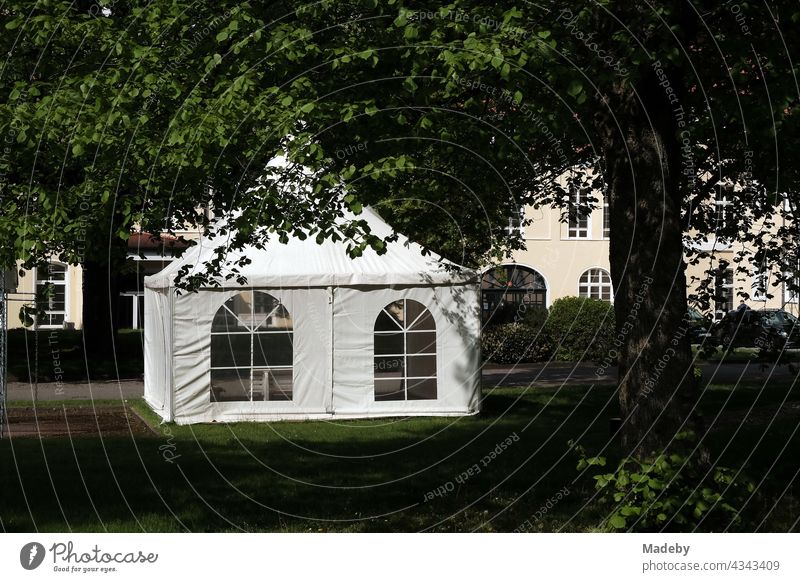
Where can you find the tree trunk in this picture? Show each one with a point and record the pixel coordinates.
(100, 301)
(643, 170)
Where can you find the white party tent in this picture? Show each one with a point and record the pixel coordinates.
(314, 334)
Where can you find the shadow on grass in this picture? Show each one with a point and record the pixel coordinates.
(376, 475)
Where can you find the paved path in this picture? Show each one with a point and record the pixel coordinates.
(493, 375)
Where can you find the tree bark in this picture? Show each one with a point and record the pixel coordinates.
(100, 305)
(643, 174)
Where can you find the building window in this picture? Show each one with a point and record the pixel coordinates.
(509, 291)
(596, 283)
(791, 287)
(51, 295)
(579, 223)
(760, 284)
(723, 216)
(516, 222)
(251, 350)
(606, 220)
(723, 292)
(405, 352)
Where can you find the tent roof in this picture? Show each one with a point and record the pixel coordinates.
(304, 263)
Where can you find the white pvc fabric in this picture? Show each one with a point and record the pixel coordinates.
(333, 366)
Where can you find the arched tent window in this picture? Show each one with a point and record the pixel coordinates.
(506, 289)
(51, 295)
(596, 283)
(251, 349)
(405, 352)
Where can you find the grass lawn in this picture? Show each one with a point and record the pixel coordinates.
(376, 475)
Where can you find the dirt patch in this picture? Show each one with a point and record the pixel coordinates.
(61, 421)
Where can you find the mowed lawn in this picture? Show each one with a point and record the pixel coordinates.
(378, 475)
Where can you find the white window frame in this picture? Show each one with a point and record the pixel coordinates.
(406, 330)
(606, 234)
(592, 286)
(48, 312)
(575, 232)
(760, 279)
(791, 297)
(518, 223)
(719, 314)
(258, 384)
(721, 204)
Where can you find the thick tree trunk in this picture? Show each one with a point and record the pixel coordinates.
(643, 171)
(101, 301)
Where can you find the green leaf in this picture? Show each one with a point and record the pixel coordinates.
(307, 107)
(286, 101)
(575, 87)
(222, 36)
(617, 522)
(77, 149)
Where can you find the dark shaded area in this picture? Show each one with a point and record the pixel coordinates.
(63, 357)
(379, 475)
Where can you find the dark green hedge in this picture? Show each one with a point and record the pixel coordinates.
(575, 328)
(581, 328)
(510, 343)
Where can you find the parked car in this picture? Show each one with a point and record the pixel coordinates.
(772, 329)
(699, 326)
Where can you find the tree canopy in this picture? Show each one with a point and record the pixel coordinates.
(447, 117)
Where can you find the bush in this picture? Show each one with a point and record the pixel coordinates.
(580, 328)
(673, 491)
(510, 343)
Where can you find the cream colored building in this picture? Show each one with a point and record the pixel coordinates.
(572, 259)
(561, 259)
(63, 307)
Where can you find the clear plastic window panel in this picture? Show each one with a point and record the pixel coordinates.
(252, 349)
(405, 353)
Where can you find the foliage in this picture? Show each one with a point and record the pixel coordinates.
(535, 317)
(513, 343)
(580, 328)
(672, 491)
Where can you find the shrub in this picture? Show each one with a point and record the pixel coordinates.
(672, 491)
(535, 317)
(510, 343)
(580, 328)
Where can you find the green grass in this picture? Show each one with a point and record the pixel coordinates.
(371, 475)
(61, 356)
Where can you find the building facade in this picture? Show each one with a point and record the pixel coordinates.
(62, 305)
(571, 258)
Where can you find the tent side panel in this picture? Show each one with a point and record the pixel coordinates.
(456, 313)
(193, 313)
(312, 350)
(460, 345)
(310, 311)
(157, 350)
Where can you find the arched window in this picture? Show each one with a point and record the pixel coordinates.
(596, 283)
(405, 352)
(51, 295)
(251, 349)
(510, 290)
